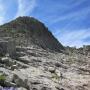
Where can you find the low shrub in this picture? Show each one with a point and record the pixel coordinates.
(2, 80)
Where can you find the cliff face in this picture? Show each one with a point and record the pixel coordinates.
(28, 30)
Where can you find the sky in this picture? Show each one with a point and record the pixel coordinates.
(68, 20)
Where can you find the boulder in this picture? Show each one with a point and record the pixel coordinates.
(14, 67)
(24, 59)
(7, 46)
(46, 88)
(21, 88)
(5, 60)
(20, 80)
(51, 69)
(10, 84)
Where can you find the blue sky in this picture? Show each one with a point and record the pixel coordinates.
(68, 20)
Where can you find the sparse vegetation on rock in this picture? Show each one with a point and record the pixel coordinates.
(2, 80)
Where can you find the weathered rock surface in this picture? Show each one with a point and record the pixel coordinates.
(7, 46)
(44, 70)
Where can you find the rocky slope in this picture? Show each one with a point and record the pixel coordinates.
(27, 31)
(39, 69)
(31, 67)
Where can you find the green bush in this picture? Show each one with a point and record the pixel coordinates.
(55, 76)
(2, 80)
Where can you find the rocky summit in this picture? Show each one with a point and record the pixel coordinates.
(31, 58)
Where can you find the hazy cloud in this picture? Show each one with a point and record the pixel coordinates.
(73, 15)
(73, 37)
(25, 7)
(2, 13)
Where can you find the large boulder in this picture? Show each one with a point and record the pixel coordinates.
(7, 46)
(20, 80)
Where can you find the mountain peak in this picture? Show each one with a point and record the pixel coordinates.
(27, 19)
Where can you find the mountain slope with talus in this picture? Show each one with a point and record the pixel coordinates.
(28, 30)
(31, 59)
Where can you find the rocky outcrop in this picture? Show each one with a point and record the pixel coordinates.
(7, 46)
(85, 50)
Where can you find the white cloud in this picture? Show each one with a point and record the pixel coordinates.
(77, 3)
(2, 13)
(25, 7)
(1, 20)
(73, 15)
(73, 37)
